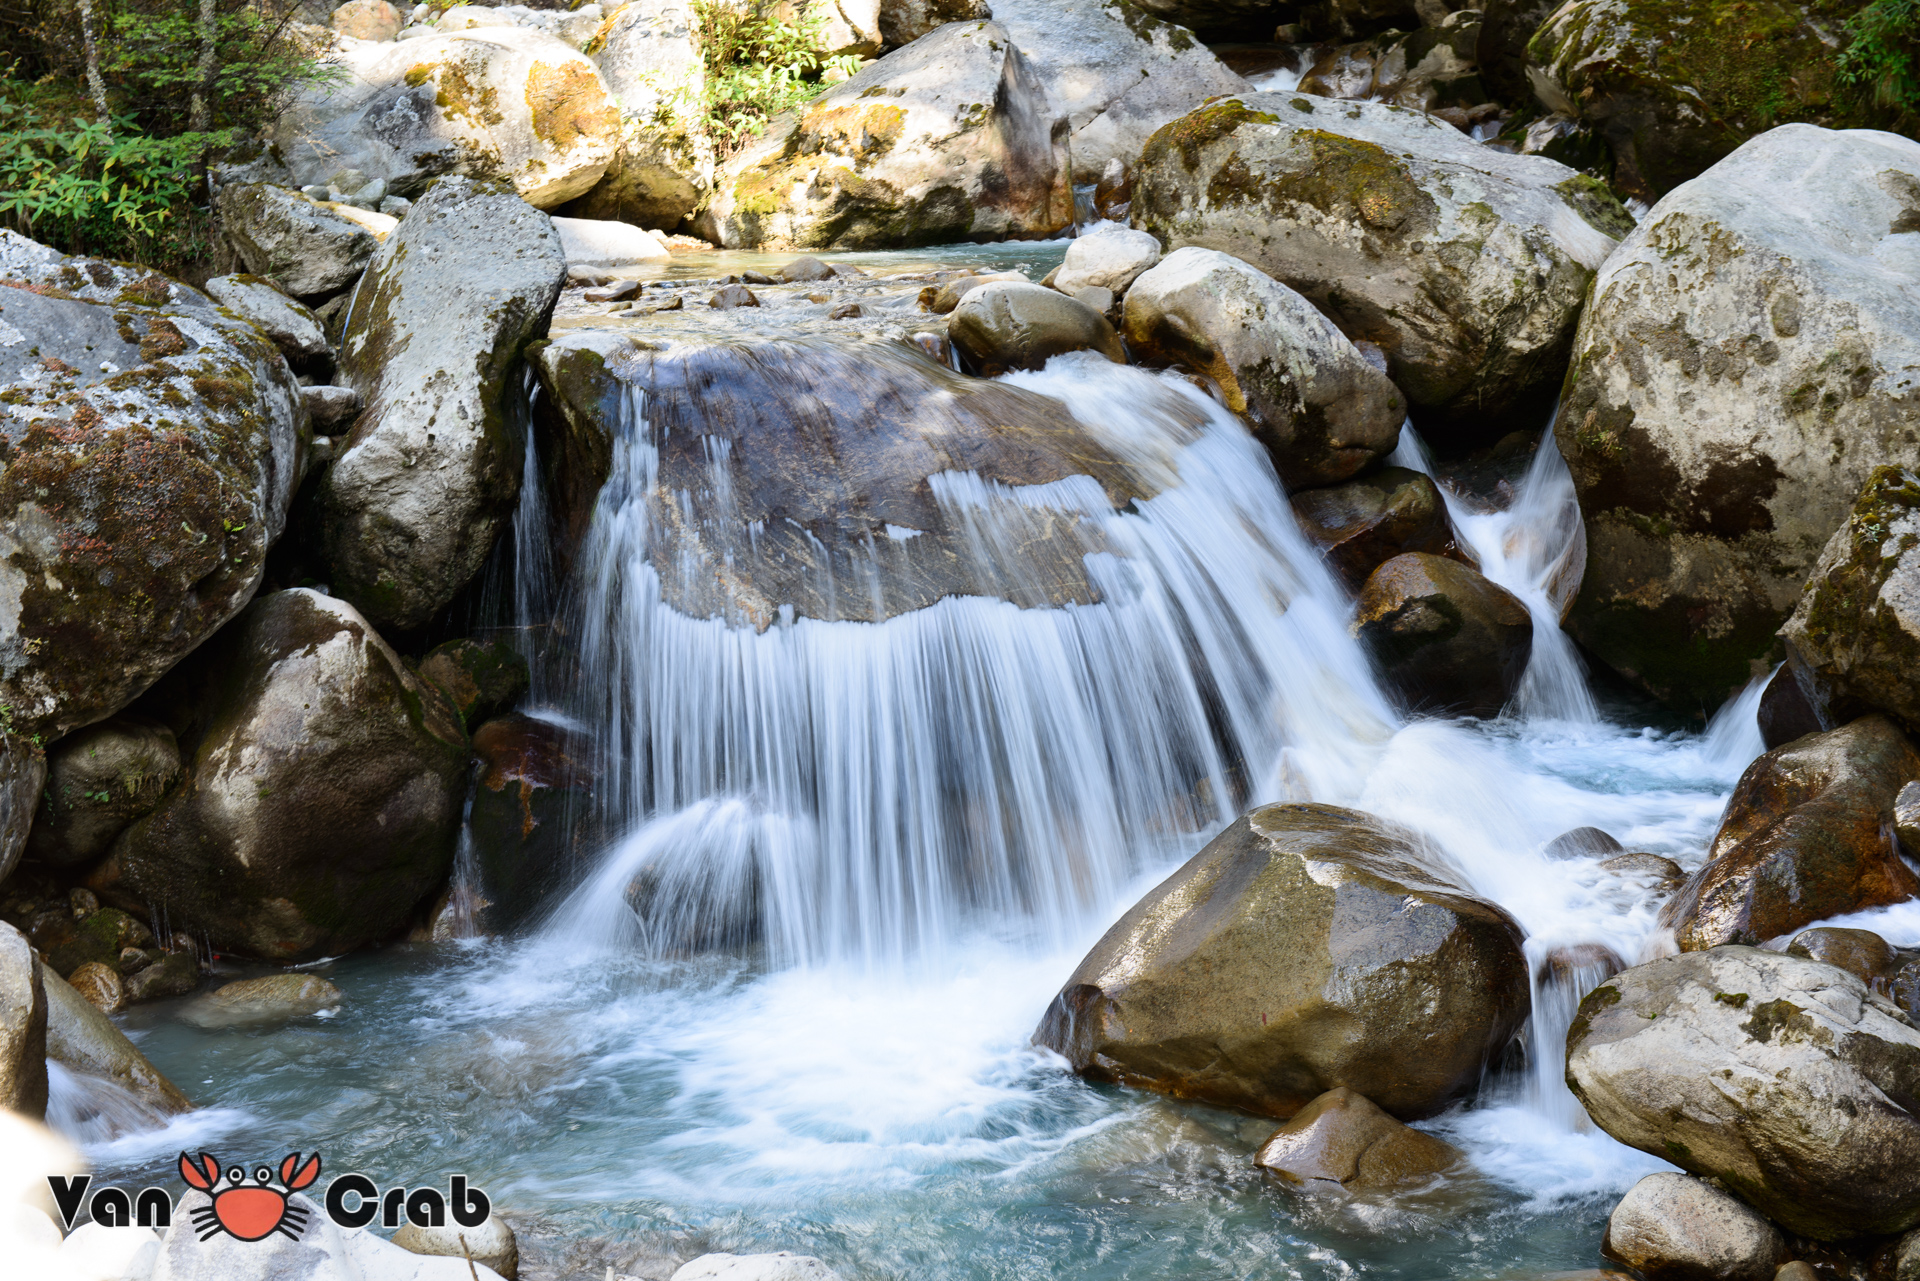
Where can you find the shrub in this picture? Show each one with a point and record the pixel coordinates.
(759, 64)
(1882, 59)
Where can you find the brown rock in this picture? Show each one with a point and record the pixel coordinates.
(1583, 842)
(99, 779)
(101, 985)
(1365, 522)
(1806, 835)
(1445, 638)
(480, 678)
(273, 999)
(368, 20)
(1341, 1142)
(731, 296)
(529, 811)
(1649, 866)
(1861, 953)
(174, 974)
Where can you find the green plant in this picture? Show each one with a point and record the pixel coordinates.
(1882, 59)
(759, 64)
(153, 59)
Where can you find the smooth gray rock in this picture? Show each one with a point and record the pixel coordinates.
(310, 249)
(273, 999)
(80, 1037)
(491, 1244)
(332, 409)
(1674, 1227)
(1011, 325)
(1110, 258)
(23, 1027)
(23, 778)
(412, 507)
(1779, 1076)
(290, 324)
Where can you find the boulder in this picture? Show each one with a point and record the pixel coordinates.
(1672, 94)
(1853, 642)
(601, 243)
(70, 940)
(1342, 1143)
(413, 503)
(480, 678)
(308, 247)
(23, 1027)
(332, 411)
(495, 102)
(528, 821)
(650, 58)
(1805, 835)
(322, 1251)
(953, 137)
(99, 779)
(23, 779)
(1861, 953)
(274, 999)
(323, 792)
(1115, 70)
(1444, 637)
(174, 974)
(848, 28)
(368, 20)
(780, 1266)
(1672, 1227)
(1749, 357)
(100, 986)
(491, 1244)
(122, 546)
(1664, 872)
(1307, 947)
(83, 1039)
(290, 324)
(1108, 258)
(1366, 522)
(1321, 409)
(1466, 265)
(1784, 713)
(1783, 1078)
(904, 21)
(1012, 325)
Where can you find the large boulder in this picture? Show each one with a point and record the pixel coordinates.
(1671, 1227)
(1306, 947)
(1320, 407)
(1012, 325)
(305, 245)
(650, 58)
(1466, 265)
(1365, 523)
(952, 138)
(1116, 71)
(1673, 90)
(413, 502)
(100, 779)
(295, 330)
(1854, 639)
(323, 795)
(82, 1039)
(500, 102)
(1807, 834)
(1445, 638)
(23, 779)
(904, 21)
(1785, 1079)
(1751, 353)
(23, 1027)
(153, 441)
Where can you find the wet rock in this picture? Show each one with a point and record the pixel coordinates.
(490, 1245)
(309, 248)
(122, 548)
(291, 325)
(1568, 965)
(1466, 265)
(1583, 842)
(602, 243)
(1707, 380)
(100, 986)
(499, 102)
(1342, 1143)
(781, 1266)
(1805, 836)
(1853, 641)
(480, 678)
(99, 779)
(903, 154)
(23, 778)
(1906, 818)
(1673, 97)
(332, 409)
(1114, 70)
(726, 299)
(1781, 1077)
(23, 1028)
(1861, 953)
(1010, 325)
(1113, 194)
(323, 795)
(1650, 867)
(1111, 258)
(1311, 398)
(174, 974)
(1444, 637)
(1367, 969)
(904, 21)
(530, 812)
(1672, 1227)
(413, 504)
(368, 20)
(97, 937)
(947, 296)
(1366, 522)
(274, 999)
(1785, 714)
(80, 1037)
(1431, 68)
(802, 270)
(323, 1252)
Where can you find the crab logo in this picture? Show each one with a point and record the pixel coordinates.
(250, 1210)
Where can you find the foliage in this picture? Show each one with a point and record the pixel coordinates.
(760, 64)
(1882, 59)
(151, 59)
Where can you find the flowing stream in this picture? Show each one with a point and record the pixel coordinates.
(868, 854)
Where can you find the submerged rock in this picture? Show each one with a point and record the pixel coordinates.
(1342, 1143)
(23, 1027)
(1783, 1078)
(1364, 523)
(1671, 1227)
(1305, 948)
(1749, 357)
(323, 795)
(953, 137)
(1445, 637)
(1583, 842)
(1467, 266)
(122, 546)
(273, 999)
(80, 1037)
(99, 779)
(1011, 325)
(1805, 836)
(413, 502)
(1321, 409)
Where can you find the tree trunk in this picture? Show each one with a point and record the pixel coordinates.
(200, 106)
(95, 85)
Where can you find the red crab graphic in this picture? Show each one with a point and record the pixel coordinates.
(250, 1211)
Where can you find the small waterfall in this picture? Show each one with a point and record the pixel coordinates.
(92, 1109)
